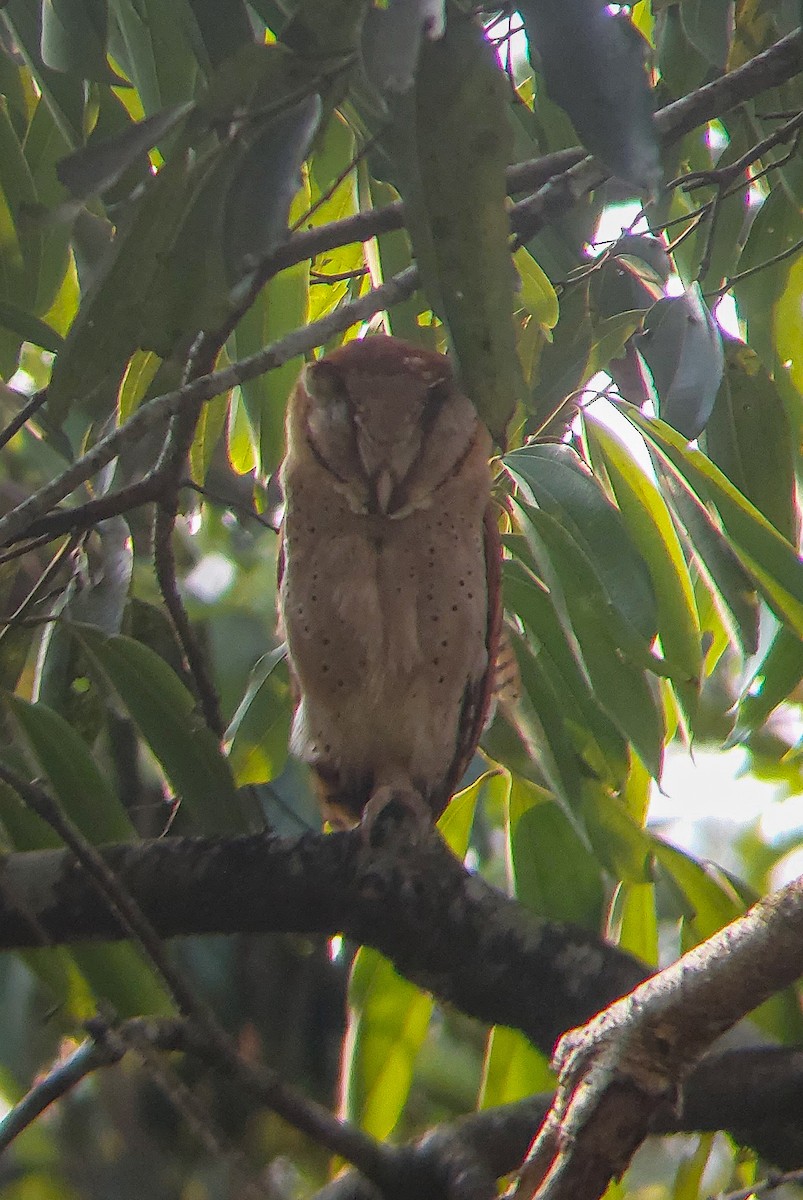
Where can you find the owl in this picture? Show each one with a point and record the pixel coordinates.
(388, 578)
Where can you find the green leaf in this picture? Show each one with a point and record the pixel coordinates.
(102, 163)
(749, 438)
(280, 307)
(513, 1069)
(594, 736)
(546, 851)
(20, 239)
(773, 681)
(593, 62)
(650, 525)
(82, 789)
(563, 364)
(388, 1022)
(538, 720)
(682, 347)
(633, 924)
(257, 737)
(562, 485)
(607, 644)
(732, 597)
(457, 218)
(389, 1017)
(64, 94)
(709, 902)
(74, 38)
(29, 328)
(150, 42)
(767, 556)
(167, 716)
(709, 27)
(621, 845)
(111, 322)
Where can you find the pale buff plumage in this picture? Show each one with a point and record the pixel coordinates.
(388, 596)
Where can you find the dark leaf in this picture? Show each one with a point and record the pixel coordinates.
(457, 219)
(593, 61)
(561, 484)
(748, 436)
(101, 164)
(682, 346)
(74, 39)
(263, 185)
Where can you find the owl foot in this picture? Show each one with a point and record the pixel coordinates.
(395, 812)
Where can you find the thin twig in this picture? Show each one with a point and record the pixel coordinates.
(42, 582)
(25, 413)
(182, 432)
(762, 266)
(765, 1188)
(59, 1080)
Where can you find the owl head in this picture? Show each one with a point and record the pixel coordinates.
(386, 421)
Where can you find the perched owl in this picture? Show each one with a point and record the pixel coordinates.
(389, 577)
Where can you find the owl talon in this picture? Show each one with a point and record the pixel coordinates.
(392, 809)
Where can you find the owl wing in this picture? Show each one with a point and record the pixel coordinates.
(478, 693)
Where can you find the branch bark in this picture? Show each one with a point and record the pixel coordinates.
(618, 1071)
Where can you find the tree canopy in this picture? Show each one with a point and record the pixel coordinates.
(595, 211)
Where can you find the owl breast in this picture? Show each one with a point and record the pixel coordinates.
(390, 633)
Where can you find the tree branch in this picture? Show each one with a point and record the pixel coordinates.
(443, 927)
(620, 1069)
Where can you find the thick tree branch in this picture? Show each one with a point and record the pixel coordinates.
(444, 928)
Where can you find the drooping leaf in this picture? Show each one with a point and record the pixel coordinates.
(74, 39)
(457, 219)
(83, 790)
(167, 717)
(563, 364)
(561, 484)
(64, 94)
(259, 730)
(596, 738)
(513, 1069)
(545, 849)
(749, 438)
(775, 678)
(613, 653)
(650, 525)
(388, 1016)
(593, 60)
(633, 923)
(682, 347)
(101, 164)
(729, 586)
(709, 27)
(262, 187)
(147, 38)
(766, 555)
